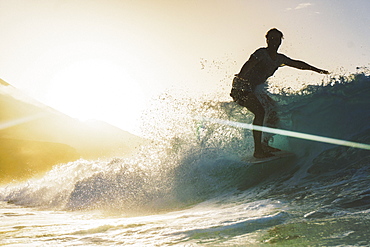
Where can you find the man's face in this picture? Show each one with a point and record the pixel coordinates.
(274, 41)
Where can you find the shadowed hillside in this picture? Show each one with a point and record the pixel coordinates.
(34, 137)
(21, 159)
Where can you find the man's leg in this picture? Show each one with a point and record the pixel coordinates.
(271, 120)
(254, 105)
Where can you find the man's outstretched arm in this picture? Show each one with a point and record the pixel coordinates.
(304, 66)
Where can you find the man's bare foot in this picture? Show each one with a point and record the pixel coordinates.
(262, 154)
(268, 148)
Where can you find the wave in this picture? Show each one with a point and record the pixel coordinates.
(190, 161)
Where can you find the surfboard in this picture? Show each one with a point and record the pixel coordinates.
(277, 155)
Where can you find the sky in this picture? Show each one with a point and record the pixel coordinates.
(106, 59)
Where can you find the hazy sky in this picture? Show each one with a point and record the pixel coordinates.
(105, 58)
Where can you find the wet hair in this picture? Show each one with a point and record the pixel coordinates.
(274, 31)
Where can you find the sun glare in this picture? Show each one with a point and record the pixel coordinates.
(97, 89)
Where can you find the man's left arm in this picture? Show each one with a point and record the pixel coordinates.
(303, 65)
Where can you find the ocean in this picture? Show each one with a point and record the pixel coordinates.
(190, 187)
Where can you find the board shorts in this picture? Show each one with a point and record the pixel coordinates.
(242, 97)
(242, 84)
(240, 90)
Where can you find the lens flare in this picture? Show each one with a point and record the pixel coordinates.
(18, 121)
(288, 133)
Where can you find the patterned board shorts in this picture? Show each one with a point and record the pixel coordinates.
(247, 98)
(242, 84)
(241, 89)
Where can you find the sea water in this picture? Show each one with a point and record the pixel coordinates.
(190, 187)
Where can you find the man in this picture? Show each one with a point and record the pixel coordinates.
(246, 90)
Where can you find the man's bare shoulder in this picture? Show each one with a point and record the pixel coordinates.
(260, 52)
(284, 58)
(261, 49)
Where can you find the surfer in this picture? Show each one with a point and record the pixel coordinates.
(246, 88)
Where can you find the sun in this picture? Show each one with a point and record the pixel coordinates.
(97, 89)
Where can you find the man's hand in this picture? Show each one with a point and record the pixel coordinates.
(321, 71)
